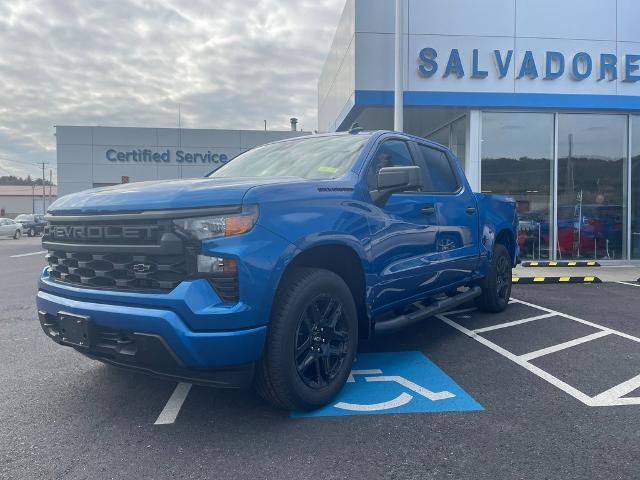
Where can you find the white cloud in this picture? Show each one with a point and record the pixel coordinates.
(229, 63)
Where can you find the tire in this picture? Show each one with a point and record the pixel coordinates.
(496, 286)
(31, 232)
(17, 235)
(314, 309)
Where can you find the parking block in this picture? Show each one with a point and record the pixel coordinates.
(561, 264)
(542, 280)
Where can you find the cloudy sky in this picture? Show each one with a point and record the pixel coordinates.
(228, 63)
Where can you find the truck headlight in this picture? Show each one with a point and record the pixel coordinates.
(203, 228)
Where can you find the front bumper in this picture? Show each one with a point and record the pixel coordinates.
(188, 332)
(158, 341)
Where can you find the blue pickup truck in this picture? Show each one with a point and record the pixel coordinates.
(269, 270)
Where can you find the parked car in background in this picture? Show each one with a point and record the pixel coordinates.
(584, 231)
(9, 228)
(32, 224)
(534, 235)
(599, 230)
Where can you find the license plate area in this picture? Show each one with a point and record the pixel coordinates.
(74, 330)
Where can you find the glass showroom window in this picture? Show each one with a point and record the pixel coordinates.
(635, 188)
(459, 139)
(517, 158)
(441, 136)
(592, 157)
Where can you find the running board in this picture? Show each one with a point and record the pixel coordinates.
(403, 321)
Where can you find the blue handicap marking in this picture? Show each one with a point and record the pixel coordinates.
(396, 382)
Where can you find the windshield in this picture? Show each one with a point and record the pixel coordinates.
(24, 218)
(310, 158)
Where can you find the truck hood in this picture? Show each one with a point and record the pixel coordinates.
(162, 195)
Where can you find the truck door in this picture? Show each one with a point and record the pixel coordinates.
(457, 212)
(403, 233)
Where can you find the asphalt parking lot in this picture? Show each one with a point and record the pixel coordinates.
(549, 389)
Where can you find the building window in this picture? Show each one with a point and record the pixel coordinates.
(635, 188)
(459, 140)
(592, 157)
(441, 136)
(517, 157)
(453, 136)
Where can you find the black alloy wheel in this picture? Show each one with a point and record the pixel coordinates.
(496, 285)
(322, 339)
(312, 340)
(503, 277)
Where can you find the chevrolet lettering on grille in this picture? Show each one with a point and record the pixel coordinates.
(100, 232)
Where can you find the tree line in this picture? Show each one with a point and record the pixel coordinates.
(13, 180)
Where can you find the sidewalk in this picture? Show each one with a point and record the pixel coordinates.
(618, 273)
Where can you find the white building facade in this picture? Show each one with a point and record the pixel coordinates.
(539, 99)
(89, 157)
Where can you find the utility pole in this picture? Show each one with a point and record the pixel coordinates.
(43, 188)
(50, 184)
(398, 102)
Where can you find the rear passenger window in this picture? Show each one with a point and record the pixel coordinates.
(392, 153)
(440, 175)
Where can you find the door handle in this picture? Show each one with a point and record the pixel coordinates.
(470, 210)
(428, 209)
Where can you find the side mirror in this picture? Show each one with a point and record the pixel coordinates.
(395, 179)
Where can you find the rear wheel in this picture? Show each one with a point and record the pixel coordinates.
(31, 232)
(312, 341)
(496, 286)
(17, 235)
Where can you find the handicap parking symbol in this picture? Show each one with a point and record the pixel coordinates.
(396, 382)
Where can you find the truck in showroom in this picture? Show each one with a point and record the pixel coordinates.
(268, 271)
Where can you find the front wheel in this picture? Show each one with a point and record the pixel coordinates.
(17, 235)
(312, 341)
(496, 286)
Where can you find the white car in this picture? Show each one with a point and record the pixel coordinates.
(9, 228)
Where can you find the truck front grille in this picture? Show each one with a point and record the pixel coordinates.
(118, 271)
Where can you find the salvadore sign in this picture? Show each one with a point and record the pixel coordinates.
(549, 65)
(145, 155)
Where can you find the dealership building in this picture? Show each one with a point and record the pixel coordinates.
(89, 157)
(539, 99)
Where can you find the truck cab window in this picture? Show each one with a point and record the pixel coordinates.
(440, 175)
(392, 153)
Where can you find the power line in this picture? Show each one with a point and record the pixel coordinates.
(4, 159)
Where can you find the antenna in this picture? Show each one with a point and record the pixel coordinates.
(355, 128)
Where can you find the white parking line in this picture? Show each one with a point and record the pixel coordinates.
(619, 390)
(561, 346)
(630, 284)
(174, 404)
(515, 322)
(41, 252)
(610, 397)
(574, 392)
